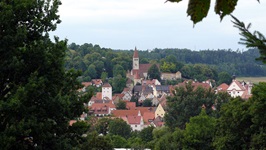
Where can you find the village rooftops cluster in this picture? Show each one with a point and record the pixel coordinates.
(103, 104)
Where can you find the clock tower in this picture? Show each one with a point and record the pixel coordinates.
(135, 60)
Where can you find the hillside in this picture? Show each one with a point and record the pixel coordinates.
(93, 60)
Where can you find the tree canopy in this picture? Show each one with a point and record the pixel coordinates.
(38, 96)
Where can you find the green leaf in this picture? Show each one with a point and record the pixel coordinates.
(173, 1)
(197, 10)
(224, 7)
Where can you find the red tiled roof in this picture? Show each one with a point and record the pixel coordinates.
(148, 82)
(147, 116)
(239, 84)
(71, 122)
(222, 87)
(120, 96)
(246, 95)
(196, 85)
(101, 108)
(163, 101)
(107, 85)
(145, 109)
(134, 119)
(97, 81)
(130, 105)
(123, 113)
(99, 95)
(86, 84)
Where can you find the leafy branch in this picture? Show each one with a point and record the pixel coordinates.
(251, 40)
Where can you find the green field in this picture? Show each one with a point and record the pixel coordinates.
(252, 79)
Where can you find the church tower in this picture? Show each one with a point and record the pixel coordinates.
(107, 91)
(135, 60)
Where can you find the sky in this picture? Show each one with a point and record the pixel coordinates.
(149, 24)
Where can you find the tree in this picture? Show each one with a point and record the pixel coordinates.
(118, 70)
(147, 103)
(257, 110)
(121, 105)
(146, 134)
(135, 99)
(251, 40)
(154, 72)
(91, 71)
(118, 141)
(104, 76)
(232, 131)
(119, 127)
(96, 142)
(102, 126)
(224, 77)
(38, 96)
(118, 83)
(165, 139)
(199, 132)
(187, 102)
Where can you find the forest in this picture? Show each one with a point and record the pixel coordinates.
(92, 60)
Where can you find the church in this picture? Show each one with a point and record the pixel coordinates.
(139, 71)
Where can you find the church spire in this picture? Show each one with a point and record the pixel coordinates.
(136, 55)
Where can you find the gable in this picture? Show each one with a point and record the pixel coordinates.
(235, 85)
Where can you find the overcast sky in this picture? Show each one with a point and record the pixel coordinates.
(149, 24)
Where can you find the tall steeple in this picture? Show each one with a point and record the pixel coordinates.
(135, 60)
(136, 55)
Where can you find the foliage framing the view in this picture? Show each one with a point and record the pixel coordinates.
(197, 10)
(38, 96)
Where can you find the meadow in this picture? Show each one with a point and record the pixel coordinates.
(252, 79)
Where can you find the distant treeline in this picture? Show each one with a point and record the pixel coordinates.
(96, 62)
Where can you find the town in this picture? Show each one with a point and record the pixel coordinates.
(140, 87)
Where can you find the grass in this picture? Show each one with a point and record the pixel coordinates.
(252, 79)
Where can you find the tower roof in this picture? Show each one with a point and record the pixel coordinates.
(136, 55)
(107, 85)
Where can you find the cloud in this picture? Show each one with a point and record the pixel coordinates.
(123, 24)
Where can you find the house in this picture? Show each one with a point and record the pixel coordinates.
(162, 101)
(222, 88)
(117, 98)
(171, 76)
(240, 89)
(136, 122)
(97, 82)
(129, 82)
(139, 90)
(102, 109)
(152, 82)
(127, 94)
(124, 113)
(85, 85)
(148, 117)
(194, 84)
(102, 97)
(159, 90)
(158, 122)
(159, 111)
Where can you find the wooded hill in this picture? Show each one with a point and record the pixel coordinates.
(93, 61)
